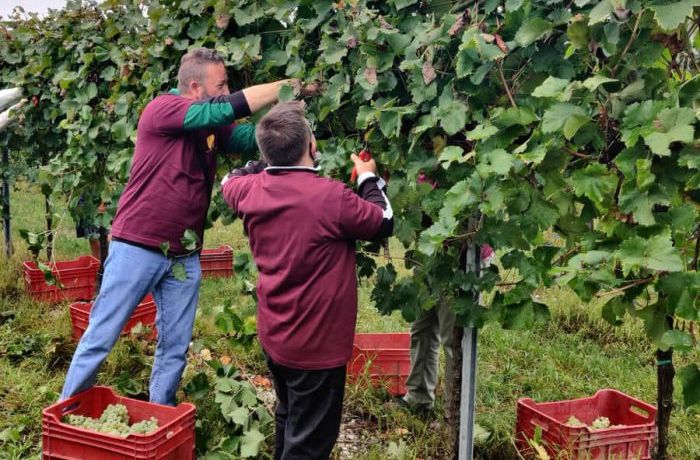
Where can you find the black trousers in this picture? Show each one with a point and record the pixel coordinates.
(309, 407)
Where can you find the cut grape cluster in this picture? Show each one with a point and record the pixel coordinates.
(600, 423)
(114, 420)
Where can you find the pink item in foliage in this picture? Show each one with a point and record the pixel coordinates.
(486, 252)
(423, 179)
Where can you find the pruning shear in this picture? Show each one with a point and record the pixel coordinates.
(365, 155)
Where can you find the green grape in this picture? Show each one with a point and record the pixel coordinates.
(144, 426)
(115, 412)
(575, 422)
(600, 423)
(114, 420)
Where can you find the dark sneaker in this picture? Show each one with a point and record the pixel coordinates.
(422, 410)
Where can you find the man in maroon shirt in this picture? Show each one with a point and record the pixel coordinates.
(179, 137)
(302, 230)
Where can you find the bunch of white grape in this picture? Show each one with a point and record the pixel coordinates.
(114, 420)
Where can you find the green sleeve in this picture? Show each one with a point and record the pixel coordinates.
(216, 111)
(242, 139)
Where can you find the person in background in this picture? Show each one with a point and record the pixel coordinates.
(179, 138)
(302, 230)
(433, 328)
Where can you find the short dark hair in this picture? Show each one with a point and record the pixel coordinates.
(192, 66)
(283, 134)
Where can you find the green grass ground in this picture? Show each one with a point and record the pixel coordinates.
(572, 356)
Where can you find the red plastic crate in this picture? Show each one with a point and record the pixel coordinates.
(634, 440)
(77, 279)
(173, 440)
(145, 313)
(385, 358)
(217, 262)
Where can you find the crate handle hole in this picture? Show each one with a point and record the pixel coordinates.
(639, 411)
(70, 407)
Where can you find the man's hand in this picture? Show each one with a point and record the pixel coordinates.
(363, 166)
(252, 167)
(306, 89)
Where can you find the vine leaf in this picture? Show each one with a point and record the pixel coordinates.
(179, 271)
(673, 125)
(531, 31)
(190, 240)
(671, 15)
(690, 379)
(656, 253)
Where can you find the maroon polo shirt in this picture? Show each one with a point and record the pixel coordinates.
(167, 192)
(302, 230)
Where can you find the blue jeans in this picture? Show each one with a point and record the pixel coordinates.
(130, 273)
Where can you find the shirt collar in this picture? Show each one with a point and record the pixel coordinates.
(292, 168)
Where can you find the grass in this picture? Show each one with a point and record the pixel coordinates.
(572, 356)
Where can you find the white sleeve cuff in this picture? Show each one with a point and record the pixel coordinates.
(364, 176)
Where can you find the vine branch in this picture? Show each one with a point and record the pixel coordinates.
(505, 84)
(626, 287)
(629, 42)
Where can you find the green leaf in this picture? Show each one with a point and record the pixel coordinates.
(390, 123)
(595, 81)
(189, 240)
(451, 154)
(198, 28)
(532, 30)
(247, 15)
(11, 434)
(239, 416)
(682, 289)
(120, 130)
(600, 12)
(689, 158)
(286, 93)
(198, 387)
(433, 237)
(573, 124)
(671, 15)
(551, 87)
(655, 253)
(677, 339)
(641, 202)
(566, 117)
(333, 52)
(645, 177)
(496, 161)
(243, 48)
(482, 132)
(690, 380)
(250, 443)
(49, 277)
(525, 315)
(578, 34)
(596, 183)
(534, 155)
(683, 219)
(401, 4)
(365, 116)
(179, 271)
(164, 247)
(614, 311)
(512, 116)
(673, 125)
(452, 114)
(478, 76)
